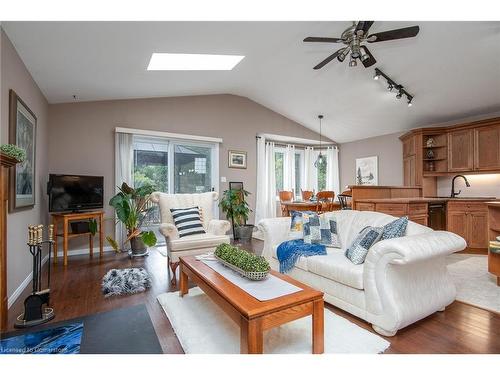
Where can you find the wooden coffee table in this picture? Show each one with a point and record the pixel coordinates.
(254, 316)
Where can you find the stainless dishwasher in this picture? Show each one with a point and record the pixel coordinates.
(437, 215)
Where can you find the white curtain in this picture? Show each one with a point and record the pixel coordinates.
(289, 168)
(332, 170)
(310, 171)
(265, 206)
(124, 154)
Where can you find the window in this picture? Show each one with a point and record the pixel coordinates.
(278, 167)
(192, 169)
(151, 163)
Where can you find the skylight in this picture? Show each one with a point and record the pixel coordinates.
(192, 61)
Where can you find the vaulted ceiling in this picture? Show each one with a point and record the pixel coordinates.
(452, 68)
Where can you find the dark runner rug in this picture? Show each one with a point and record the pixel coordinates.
(122, 331)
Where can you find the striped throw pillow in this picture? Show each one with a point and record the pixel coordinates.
(187, 221)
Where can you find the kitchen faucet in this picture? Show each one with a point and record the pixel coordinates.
(453, 194)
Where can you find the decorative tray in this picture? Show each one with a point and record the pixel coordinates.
(255, 276)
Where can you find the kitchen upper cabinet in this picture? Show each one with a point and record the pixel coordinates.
(409, 146)
(460, 150)
(409, 171)
(487, 148)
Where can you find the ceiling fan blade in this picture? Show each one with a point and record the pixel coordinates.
(328, 59)
(406, 32)
(370, 61)
(322, 40)
(364, 25)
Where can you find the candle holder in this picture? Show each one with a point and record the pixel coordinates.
(35, 311)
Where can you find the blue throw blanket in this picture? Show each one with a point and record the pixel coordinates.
(289, 252)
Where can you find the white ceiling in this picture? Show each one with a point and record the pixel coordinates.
(452, 68)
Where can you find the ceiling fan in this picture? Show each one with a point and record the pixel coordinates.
(354, 37)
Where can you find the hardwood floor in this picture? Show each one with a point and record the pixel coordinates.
(461, 328)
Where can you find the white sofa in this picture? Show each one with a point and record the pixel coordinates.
(195, 244)
(402, 280)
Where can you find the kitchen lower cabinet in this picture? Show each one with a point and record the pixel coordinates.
(470, 221)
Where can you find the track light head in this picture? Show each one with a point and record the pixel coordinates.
(376, 76)
(390, 87)
(399, 94)
(410, 99)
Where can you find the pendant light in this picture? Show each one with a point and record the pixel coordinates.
(321, 158)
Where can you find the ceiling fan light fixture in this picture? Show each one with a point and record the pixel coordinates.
(352, 62)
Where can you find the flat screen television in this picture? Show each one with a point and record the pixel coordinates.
(75, 193)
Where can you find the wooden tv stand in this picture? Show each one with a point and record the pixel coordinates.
(66, 218)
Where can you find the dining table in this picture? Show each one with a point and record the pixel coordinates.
(306, 206)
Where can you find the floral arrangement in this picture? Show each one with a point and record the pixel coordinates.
(241, 259)
(14, 152)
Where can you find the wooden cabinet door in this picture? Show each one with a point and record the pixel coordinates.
(409, 171)
(478, 229)
(487, 148)
(409, 146)
(457, 223)
(460, 151)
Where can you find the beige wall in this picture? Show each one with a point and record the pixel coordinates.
(389, 150)
(82, 134)
(14, 75)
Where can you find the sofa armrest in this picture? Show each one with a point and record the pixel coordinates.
(276, 231)
(169, 231)
(416, 248)
(218, 227)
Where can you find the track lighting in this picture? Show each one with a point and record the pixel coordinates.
(391, 84)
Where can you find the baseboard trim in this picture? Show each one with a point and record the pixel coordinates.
(19, 290)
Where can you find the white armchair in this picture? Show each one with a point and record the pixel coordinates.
(195, 244)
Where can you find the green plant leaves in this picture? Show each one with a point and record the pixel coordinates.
(149, 238)
(93, 226)
(234, 205)
(113, 244)
(14, 152)
(241, 258)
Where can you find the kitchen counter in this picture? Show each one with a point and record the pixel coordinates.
(491, 200)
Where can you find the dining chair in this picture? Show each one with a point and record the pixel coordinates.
(325, 200)
(345, 200)
(306, 194)
(285, 196)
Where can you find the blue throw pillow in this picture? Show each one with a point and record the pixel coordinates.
(321, 230)
(358, 250)
(395, 229)
(298, 217)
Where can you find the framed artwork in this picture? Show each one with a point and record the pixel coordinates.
(367, 171)
(237, 159)
(22, 133)
(235, 185)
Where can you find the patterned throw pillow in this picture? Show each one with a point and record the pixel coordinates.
(358, 249)
(298, 217)
(320, 230)
(187, 221)
(396, 228)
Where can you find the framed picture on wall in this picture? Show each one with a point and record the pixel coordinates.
(22, 133)
(367, 171)
(235, 185)
(237, 159)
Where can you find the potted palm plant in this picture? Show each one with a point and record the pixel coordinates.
(234, 205)
(132, 209)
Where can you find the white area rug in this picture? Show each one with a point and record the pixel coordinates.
(475, 285)
(203, 328)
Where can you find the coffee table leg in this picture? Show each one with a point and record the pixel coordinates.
(251, 336)
(318, 319)
(183, 287)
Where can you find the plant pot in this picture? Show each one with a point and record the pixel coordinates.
(243, 233)
(137, 247)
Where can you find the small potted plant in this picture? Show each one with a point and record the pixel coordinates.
(14, 152)
(132, 209)
(234, 205)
